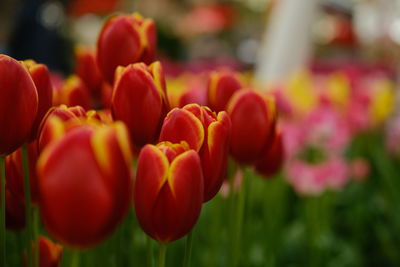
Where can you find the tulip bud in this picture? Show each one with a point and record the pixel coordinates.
(14, 172)
(168, 191)
(18, 104)
(139, 100)
(271, 162)
(221, 86)
(50, 253)
(52, 127)
(123, 40)
(85, 184)
(253, 117)
(15, 207)
(41, 78)
(206, 133)
(86, 69)
(74, 93)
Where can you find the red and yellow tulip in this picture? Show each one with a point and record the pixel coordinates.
(84, 182)
(253, 117)
(205, 132)
(123, 40)
(168, 191)
(139, 100)
(18, 104)
(221, 86)
(41, 77)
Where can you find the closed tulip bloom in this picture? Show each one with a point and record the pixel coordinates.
(18, 104)
(139, 100)
(85, 184)
(205, 132)
(41, 77)
(271, 162)
(253, 117)
(50, 253)
(221, 86)
(74, 93)
(123, 40)
(53, 124)
(86, 69)
(15, 198)
(168, 191)
(15, 207)
(14, 172)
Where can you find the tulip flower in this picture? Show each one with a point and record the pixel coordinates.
(272, 160)
(123, 40)
(74, 93)
(41, 77)
(50, 253)
(139, 100)
(205, 132)
(52, 126)
(19, 104)
(84, 181)
(86, 69)
(14, 172)
(168, 191)
(253, 117)
(221, 86)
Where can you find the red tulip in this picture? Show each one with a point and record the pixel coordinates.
(15, 211)
(123, 40)
(50, 253)
(18, 104)
(139, 100)
(41, 78)
(253, 117)
(74, 93)
(271, 162)
(85, 184)
(15, 198)
(14, 172)
(206, 133)
(221, 86)
(168, 191)
(53, 124)
(86, 69)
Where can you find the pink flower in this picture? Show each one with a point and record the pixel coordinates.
(309, 179)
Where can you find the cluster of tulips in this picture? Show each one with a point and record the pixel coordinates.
(80, 151)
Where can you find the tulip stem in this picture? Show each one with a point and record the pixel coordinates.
(188, 249)
(36, 236)
(237, 234)
(75, 258)
(149, 246)
(162, 255)
(28, 210)
(3, 211)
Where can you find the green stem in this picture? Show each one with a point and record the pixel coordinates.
(36, 235)
(188, 250)
(237, 234)
(3, 211)
(28, 211)
(75, 258)
(149, 247)
(162, 255)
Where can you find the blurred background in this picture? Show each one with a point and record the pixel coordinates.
(337, 200)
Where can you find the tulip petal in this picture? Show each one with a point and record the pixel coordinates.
(181, 125)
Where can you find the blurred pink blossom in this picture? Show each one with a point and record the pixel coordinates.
(314, 179)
